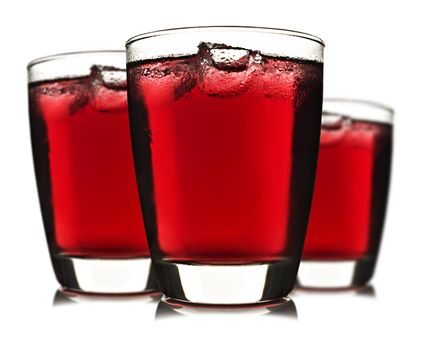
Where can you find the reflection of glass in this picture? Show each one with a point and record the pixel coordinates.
(85, 174)
(285, 308)
(334, 304)
(63, 297)
(365, 291)
(350, 195)
(225, 125)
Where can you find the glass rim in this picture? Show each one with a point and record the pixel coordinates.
(66, 55)
(364, 110)
(233, 28)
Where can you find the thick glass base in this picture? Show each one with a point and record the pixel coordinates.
(226, 284)
(104, 276)
(335, 274)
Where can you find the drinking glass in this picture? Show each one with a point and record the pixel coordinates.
(225, 125)
(350, 195)
(85, 174)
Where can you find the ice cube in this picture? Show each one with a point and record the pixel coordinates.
(224, 70)
(53, 90)
(280, 79)
(333, 128)
(106, 88)
(79, 94)
(111, 77)
(231, 59)
(70, 94)
(334, 122)
(187, 82)
(80, 100)
(167, 81)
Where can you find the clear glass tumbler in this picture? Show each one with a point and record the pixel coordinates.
(225, 125)
(350, 195)
(85, 175)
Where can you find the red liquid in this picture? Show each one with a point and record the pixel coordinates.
(84, 168)
(350, 192)
(225, 154)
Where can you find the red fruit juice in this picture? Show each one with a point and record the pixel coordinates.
(84, 167)
(225, 150)
(350, 192)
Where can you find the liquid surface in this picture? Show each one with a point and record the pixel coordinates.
(84, 166)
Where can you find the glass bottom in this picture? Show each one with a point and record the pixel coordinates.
(335, 274)
(226, 284)
(105, 276)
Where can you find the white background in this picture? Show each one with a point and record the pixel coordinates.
(373, 51)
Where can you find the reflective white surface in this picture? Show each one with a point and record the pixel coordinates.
(354, 318)
(370, 53)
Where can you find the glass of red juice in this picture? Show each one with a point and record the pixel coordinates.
(350, 195)
(225, 125)
(85, 174)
